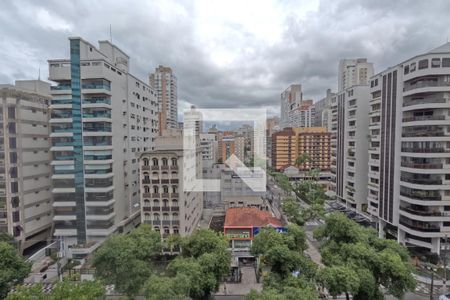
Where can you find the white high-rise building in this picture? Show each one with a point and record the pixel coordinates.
(409, 163)
(349, 145)
(165, 84)
(209, 149)
(353, 72)
(290, 99)
(350, 128)
(102, 119)
(26, 210)
(323, 113)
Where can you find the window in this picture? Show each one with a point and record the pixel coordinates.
(412, 67)
(446, 62)
(423, 64)
(436, 63)
(406, 70)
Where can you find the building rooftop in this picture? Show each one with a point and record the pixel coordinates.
(250, 216)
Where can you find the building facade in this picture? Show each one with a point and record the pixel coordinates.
(26, 210)
(410, 151)
(350, 128)
(95, 160)
(165, 84)
(353, 72)
(323, 113)
(290, 99)
(290, 143)
(165, 202)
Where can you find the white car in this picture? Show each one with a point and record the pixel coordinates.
(444, 297)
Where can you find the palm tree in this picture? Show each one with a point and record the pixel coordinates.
(301, 159)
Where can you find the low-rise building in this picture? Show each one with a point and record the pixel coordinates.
(243, 223)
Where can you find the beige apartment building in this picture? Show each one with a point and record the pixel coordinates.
(165, 204)
(26, 210)
(290, 143)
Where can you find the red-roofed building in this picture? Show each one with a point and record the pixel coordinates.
(243, 223)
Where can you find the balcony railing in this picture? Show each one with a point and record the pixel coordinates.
(421, 196)
(425, 133)
(421, 180)
(423, 101)
(424, 213)
(421, 166)
(423, 118)
(424, 150)
(419, 227)
(425, 84)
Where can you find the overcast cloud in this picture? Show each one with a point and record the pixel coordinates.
(230, 53)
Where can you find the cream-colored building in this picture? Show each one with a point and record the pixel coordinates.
(165, 203)
(26, 210)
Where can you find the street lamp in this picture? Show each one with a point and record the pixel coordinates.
(432, 269)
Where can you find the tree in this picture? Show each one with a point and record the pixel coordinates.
(282, 251)
(4, 237)
(84, 290)
(117, 262)
(66, 290)
(291, 208)
(283, 182)
(205, 260)
(163, 287)
(339, 280)
(301, 160)
(27, 292)
(14, 268)
(147, 241)
(201, 284)
(346, 244)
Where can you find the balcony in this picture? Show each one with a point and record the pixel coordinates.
(165, 181)
(146, 181)
(423, 101)
(174, 208)
(425, 83)
(424, 213)
(155, 168)
(420, 195)
(421, 166)
(156, 208)
(423, 118)
(165, 208)
(425, 150)
(425, 133)
(174, 181)
(97, 100)
(428, 181)
(420, 227)
(146, 208)
(165, 195)
(174, 195)
(175, 222)
(145, 167)
(174, 167)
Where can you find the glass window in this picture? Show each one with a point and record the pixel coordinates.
(412, 67)
(446, 62)
(423, 64)
(436, 63)
(406, 70)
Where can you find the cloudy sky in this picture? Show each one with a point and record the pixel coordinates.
(226, 54)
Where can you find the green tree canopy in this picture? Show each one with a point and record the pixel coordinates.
(13, 268)
(163, 287)
(347, 245)
(126, 260)
(66, 290)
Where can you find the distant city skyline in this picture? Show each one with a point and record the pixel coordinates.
(223, 54)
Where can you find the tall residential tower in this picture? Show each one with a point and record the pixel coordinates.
(409, 163)
(102, 117)
(165, 84)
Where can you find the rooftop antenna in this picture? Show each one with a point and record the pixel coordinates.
(110, 33)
